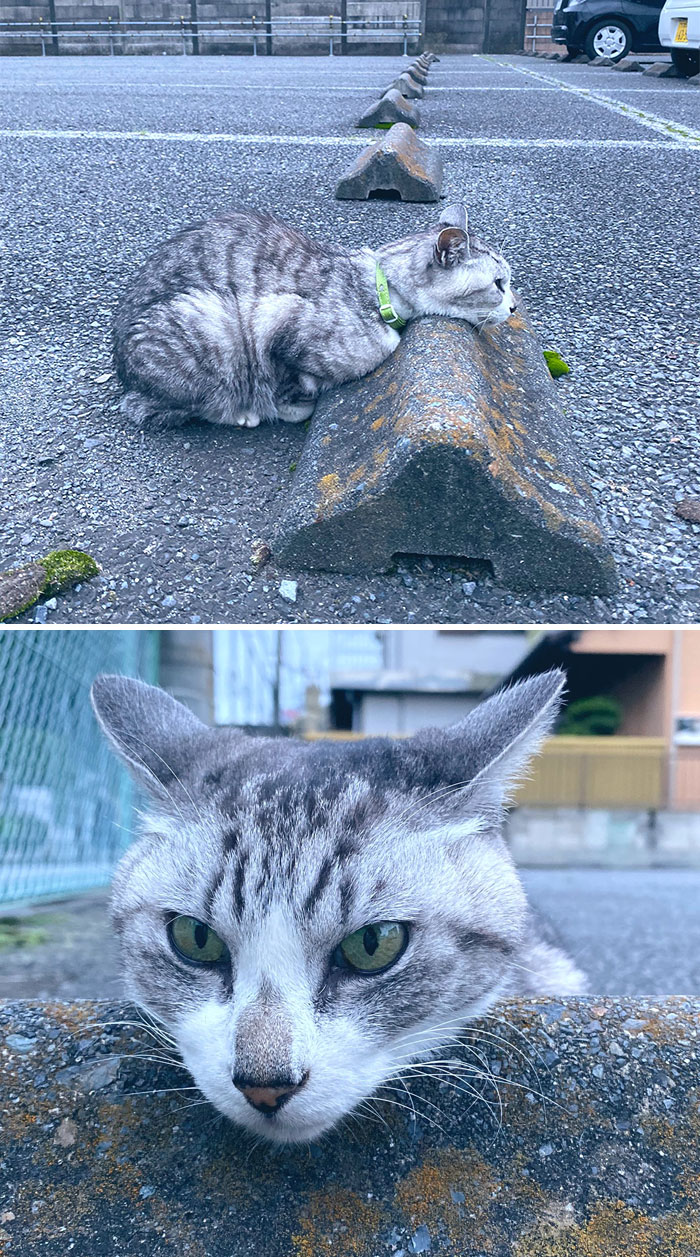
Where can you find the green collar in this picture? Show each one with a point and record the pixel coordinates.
(386, 309)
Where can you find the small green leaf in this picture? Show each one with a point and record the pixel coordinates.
(556, 364)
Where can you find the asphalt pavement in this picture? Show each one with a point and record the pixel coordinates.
(588, 178)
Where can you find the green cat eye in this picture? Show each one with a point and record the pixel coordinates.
(373, 948)
(196, 941)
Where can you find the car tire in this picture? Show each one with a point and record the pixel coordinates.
(610, 38)
(686, 61)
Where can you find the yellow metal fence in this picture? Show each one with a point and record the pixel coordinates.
(598, 772)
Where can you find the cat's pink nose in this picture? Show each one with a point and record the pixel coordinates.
(268, 1097)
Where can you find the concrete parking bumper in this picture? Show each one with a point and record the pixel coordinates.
(398, 167)
(457, 445)
(391, 108)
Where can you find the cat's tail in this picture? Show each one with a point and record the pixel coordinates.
(142, 410)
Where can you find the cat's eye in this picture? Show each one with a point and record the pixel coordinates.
(501, 283)
(373, 948)
(196, 941)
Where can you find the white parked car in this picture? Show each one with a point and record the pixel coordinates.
(679, 30)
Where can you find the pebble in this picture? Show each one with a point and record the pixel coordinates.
(168, 601)
(288, 590)
(421, 1242)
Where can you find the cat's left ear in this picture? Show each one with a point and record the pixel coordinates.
(485, 755)
(455, 215)
(452, 247)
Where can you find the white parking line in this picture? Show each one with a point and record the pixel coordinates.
(330, 141)
(675, 130)
(42, 85)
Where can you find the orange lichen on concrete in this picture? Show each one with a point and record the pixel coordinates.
(378, 423)
(425, 1197)
(330, 492)
(614, 1229)
(338, 1221)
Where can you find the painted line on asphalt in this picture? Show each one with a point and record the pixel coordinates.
(664, 126)
(239, 87)
(330, 141)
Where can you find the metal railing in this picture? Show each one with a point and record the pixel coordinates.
(191, 33)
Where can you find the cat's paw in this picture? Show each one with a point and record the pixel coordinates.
(296, 412)
(247, 419)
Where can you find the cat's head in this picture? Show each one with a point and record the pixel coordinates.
(448, 270)
(307, 918)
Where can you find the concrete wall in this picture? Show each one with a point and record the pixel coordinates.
(491, 652)
(207, 11)
(481, 26)
(406, 713)
(604, 837)
(103, 1157)
(484, 25)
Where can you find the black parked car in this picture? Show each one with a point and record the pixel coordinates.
(607, 28)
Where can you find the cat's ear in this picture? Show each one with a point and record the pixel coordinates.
(150, 731)
(455, 215)
(452, 247)
(486, 754)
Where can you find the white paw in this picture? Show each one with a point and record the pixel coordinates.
(247, 419)
(296, 413)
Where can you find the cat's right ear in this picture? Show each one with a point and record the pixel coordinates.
(452, 247)
(150, 731)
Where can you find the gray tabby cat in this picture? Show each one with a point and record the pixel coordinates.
(307, 918)
(243, 318)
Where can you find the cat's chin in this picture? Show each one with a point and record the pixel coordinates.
(291, 1133)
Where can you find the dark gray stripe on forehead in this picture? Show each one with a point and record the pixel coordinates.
(239, 884)
(322, 880)
(469, 940)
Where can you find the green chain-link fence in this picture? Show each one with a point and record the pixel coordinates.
(65, 804)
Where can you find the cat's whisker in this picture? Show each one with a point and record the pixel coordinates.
(153, 1059)
(411, 1096)
(397, 1104)
(462, 1086)
(159, 1091)
(158, 1034)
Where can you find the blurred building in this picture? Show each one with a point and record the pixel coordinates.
(425, 677)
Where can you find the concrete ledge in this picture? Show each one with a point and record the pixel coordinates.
(456, 445)
(598, 837)
(589, 1147)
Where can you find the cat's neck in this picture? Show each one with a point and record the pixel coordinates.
(368, 259)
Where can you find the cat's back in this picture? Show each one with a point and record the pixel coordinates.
(235, 252)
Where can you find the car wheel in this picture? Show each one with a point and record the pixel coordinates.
(686, 61)
(608, 39)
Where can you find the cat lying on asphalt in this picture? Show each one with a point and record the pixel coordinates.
(307, 919)
(243, 318)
